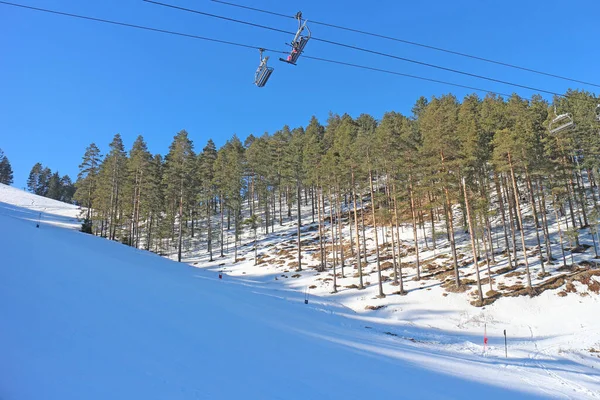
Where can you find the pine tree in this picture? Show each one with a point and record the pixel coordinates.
(33, 181)
(136, 196)
(108, 195)
(178, 179)
(87, 178)
(154, 187)
(67, 189)
(206, 176)
(54, 187)
(6, 172)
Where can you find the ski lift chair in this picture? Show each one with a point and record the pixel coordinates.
(299, 42)
(561, 123)
(598, 113)
(263, 72)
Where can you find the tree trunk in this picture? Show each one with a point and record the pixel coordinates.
(357, 237)
(222, 227)
(414, 224)
(381, 294)
(299, 231)
(180, 240)
(472, 234)
(209, 223)
(397, 220)
(560, 236)
(322, 251)
(503, 215)
(340, 230)
(512, 218)
(519, 216)
(542, 204)
(535, 218)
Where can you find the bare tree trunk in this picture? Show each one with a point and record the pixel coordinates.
(503, 215)
(487, 258)
(472, 234)
(340, 229)
(322, 266)
(222, 228)
(401, 291)
(209, 223)
(512, 218)
(560, 236)
(333, 250)
(332, 229)
(180, 240)
(517, 200)
(381, 294)
(535, 218)
(358, 255)
(298, 189)
(414, 224)
(542, 204)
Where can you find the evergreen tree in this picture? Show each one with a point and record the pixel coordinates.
(135, 194)
(33, 181)
(6, 172)
(54, 187)
(206, 177)
(87, 179)
(178, 178)
(109, 198)
(67, 189)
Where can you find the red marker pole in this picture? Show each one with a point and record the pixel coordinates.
(485, 338)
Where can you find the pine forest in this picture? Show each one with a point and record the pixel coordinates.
(473, 176)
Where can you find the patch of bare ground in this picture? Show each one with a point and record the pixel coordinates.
(514, 273)
(450, 286)
(386, 265)
(374, 307)
(578, 249)
(582, 275)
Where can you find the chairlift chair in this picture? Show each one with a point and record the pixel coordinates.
(598, 113)
(561, 122)
(263, 72)
(299, 42)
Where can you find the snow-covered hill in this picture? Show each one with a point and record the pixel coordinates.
(25, 205)
(86, 318)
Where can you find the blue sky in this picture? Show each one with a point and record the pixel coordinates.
(66, 83)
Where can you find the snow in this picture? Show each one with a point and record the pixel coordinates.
(87, 318)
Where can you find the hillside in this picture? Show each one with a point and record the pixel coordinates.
(89, 318)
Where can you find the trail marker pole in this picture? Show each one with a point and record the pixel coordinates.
(39, 220)
(505, 345)
(485, 338)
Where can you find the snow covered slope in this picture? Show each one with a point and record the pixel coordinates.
(25, 205)
(86, 318)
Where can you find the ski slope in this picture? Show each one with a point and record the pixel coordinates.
(86, 318)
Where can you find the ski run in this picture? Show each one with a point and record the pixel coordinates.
(87, 318)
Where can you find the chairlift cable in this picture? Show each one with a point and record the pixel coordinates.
(413, 43)
(358, 48)
(403, 74)
(146, 28)
(137, 26)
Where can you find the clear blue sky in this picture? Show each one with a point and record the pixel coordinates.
(65, 83)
